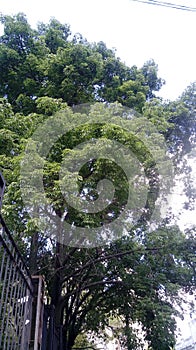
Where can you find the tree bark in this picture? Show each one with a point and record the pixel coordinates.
(33, 267)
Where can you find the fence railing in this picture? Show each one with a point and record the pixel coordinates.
(16, 293)
(25, 322)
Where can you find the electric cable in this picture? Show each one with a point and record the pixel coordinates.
(167, 4)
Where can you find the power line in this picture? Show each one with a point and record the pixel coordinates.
(167, 4)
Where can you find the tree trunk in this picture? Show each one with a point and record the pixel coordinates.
(33, 268)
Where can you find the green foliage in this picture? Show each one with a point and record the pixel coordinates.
(54, 34)
(17, 33)
(149, 71)
(136, 278)
(47, 62)
(82, 342)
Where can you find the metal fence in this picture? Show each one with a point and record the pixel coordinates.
(25, 322)
(16, 293)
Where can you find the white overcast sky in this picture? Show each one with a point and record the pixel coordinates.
(138, 31)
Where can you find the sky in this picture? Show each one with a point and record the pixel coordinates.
(137, 31)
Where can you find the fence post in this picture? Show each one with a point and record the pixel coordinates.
(38, 312)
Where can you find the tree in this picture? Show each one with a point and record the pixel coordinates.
(132, 279)
(137, 276)
(47, 62)
(150, 70)
(55, 34)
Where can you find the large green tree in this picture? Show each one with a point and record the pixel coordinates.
(137, 276)
(49, 62)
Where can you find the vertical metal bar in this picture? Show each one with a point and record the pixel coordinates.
(2, 188)
(16, 282)
(6, 316)
(4, 298)
(16, 308)
(4, 275)
(2, 282)
(9, 323)
(14, 300)
(21, 312)
(2, 261)
(39, 312)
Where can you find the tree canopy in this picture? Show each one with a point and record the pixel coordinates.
(136, 278)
